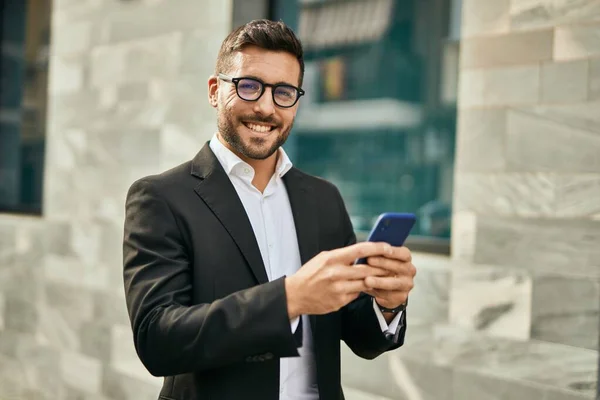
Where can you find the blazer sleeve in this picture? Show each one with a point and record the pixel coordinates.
(360, 328)
(173, 336)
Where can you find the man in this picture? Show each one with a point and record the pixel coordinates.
(238, 267)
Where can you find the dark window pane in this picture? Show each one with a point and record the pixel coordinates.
(379, 115)
(24, 36)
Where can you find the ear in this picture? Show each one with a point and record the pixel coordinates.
(213, 91)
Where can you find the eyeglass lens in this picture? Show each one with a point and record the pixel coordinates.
(250, 89)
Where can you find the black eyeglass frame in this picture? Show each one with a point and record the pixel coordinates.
(264, 87)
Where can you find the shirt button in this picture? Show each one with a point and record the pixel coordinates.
(247, 170)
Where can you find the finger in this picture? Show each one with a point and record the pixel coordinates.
(401, 254)
(347, 255)
(351, 287)
(389, 283)
(358, 272)
(389, 264)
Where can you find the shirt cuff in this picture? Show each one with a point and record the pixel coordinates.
(294, 324)
(393, 326)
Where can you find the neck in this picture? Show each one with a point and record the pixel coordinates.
(263, 169)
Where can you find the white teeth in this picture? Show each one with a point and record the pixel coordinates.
(259, 128)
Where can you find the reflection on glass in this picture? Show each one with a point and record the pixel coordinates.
(379, 114)
(24, 39)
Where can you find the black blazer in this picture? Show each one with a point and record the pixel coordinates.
(203, 312)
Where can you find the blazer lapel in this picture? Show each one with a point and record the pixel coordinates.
(303, 209)
(303, 205)
(217, 191)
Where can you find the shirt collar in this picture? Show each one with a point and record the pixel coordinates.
(229, 160)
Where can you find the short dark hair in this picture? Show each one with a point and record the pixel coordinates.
(263, 33)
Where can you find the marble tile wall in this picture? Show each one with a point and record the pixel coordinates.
(127, 98)
(526, 195)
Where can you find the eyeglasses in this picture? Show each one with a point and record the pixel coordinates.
(251, 89)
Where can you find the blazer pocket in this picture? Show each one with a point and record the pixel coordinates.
(165, 398)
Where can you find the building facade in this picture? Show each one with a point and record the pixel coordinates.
(482, 116)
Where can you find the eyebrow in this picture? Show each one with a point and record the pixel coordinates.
(262, 80)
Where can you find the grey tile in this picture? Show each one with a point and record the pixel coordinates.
(58, 238)
(464, 236)
(577, 41)
(197, 48)
(134, 91)
(185, 99)
(137, 61)
(96, 341)
(572, 317)
(109, 308)
(42, 366)
(9, 343)
(53, 327)
(572, 372)
(30, 245)
(7, 245)
(67, 76)
(73, 110)
(22, 282)
(110, 149)
(510, 49)
(374, 376)
(565, 82)
(35, 367)
(75, 271)
(471, 385)
(539, 144)
(549, 13)
(576, 329)
(117, 386)
(76, 394)
(429, 298)
(495, 300)
(511, 86)
(577, 195)
(506, 194)
(564, 247)
(72, 39)
(73, 305)
(481, 138)
(567, 395)
(2, 310)
(471, 88)
(111, 245)
(583, 116)
(484, 17)
(595, 79)
(422, 375)
(161, 18)
(20, 315)
(81, 372)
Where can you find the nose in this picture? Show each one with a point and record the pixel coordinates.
(265, 105)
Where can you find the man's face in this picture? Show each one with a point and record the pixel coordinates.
(255, 129)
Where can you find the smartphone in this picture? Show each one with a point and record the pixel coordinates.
(392, 228)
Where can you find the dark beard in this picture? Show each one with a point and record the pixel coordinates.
(231, 136)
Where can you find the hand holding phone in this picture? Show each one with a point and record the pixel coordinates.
(391, 228)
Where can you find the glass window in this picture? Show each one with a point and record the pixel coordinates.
(379, 115)
(24, 37)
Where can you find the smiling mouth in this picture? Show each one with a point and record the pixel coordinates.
(260, 128)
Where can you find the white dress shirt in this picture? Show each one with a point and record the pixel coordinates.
(270, 215)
